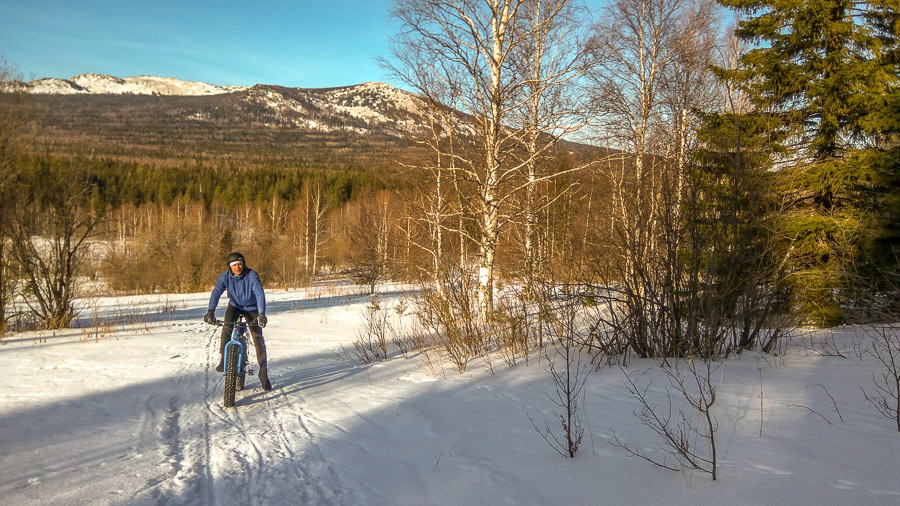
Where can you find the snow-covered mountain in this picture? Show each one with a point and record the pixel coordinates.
(165, 118)
(137, 85)
(149, 117)
(356, 108)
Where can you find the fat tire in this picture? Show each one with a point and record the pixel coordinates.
(231, 364)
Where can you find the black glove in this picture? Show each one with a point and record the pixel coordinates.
(210, 317)
(261, 320)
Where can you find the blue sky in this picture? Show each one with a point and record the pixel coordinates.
(302, 43)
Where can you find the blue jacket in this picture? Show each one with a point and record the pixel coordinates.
(245, 292)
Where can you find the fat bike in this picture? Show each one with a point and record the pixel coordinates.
(235, 360)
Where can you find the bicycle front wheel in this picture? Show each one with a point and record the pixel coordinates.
(231, 374)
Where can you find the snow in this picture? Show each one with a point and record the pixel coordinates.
(367, 102)
(137, 85)
(130, 412)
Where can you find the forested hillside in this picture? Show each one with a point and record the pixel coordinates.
(261, 126)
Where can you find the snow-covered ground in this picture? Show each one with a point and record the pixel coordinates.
(131, 413)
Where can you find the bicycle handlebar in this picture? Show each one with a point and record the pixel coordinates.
(220, 323)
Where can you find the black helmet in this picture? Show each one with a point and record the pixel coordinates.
(235, 257)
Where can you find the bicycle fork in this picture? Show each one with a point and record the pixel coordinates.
(240, 364)
(241, 328)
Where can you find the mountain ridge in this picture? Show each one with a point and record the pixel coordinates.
(165, 119)
(367, 101)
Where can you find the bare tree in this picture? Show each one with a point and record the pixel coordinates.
(370, 237)
(464, 53)
(681, 429)
(729, 51)
(314, 238)
(435, 193)
(885, 393)
(635, 44)
(553, 106)
(50, 239)
(568, 366)
(686, 228)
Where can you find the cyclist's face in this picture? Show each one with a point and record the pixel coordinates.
(237, 269)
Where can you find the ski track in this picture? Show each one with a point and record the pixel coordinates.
(262, 451)
(298, 429)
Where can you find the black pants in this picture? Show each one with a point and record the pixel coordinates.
(231, 314)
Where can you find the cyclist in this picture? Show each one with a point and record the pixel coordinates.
(245, 297)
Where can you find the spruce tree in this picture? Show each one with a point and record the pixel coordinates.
(818, 67)
(820, 70)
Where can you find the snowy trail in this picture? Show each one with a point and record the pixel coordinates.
(185, 447)
(259, 452)
(136, 417)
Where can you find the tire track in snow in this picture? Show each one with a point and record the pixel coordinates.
(231, 468)
(234, 467)
(272, 471)
(186, 433)
(229, 473)
(212, 351)
(241, 453)
(287, 430)
(178, 436)
(148, 431)
(263, 451)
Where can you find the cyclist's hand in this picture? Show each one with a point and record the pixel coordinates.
(261, 320)
(210, 317)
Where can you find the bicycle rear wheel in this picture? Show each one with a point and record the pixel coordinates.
(231, 374)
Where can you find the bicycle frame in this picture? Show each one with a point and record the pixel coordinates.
(235, 359)
(240, 329)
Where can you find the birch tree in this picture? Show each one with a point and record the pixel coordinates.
(370, 235)
(314, 241)
(464, 52)
(652, 70)
(552, 60)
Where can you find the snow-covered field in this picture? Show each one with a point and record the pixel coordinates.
(131, 413)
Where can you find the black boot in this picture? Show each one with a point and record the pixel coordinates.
(264, 379)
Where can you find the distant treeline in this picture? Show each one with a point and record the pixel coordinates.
(115, 182)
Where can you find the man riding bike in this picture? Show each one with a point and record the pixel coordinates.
(245, 297)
